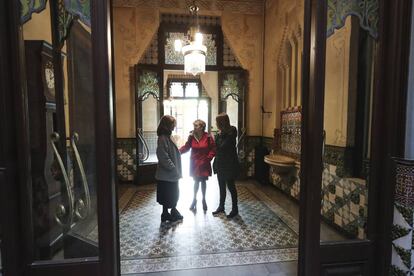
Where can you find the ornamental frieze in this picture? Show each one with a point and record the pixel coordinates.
(243, 6)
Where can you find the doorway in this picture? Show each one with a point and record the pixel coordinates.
(21, 249)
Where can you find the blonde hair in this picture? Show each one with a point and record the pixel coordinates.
(201, 122)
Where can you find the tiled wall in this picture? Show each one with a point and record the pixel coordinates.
(126, 159)
(290, 134)
(344, 199)
(403, 227)
(345, 202)
(126, 152)
(250, 144)
(288, 183)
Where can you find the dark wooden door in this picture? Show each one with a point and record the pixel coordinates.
(148, 110)
(351, 128)
(57, 139)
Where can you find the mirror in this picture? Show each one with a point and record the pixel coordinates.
(62, 136)
(349, 77)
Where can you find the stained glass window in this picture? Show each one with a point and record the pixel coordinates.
(191, 89)
(148, 84)
(174, 57)
(230, 87)
(176, 89)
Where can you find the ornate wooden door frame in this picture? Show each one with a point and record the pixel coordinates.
(373, 255)
(15, 184)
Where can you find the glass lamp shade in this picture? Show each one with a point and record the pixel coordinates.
(194, 58)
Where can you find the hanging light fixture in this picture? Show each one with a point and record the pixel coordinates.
(194, 52)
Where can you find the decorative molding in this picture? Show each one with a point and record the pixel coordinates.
(65, 22)
(241, 6)
(186, 19)
(366, 10)
(28, 7)
(80, 9)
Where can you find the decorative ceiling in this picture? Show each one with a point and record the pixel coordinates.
(237, 6)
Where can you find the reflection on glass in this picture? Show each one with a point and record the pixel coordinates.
(63, 166)
(232, 110)
(347, 119)
(150, 122)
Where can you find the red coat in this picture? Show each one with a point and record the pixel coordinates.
(202, 152)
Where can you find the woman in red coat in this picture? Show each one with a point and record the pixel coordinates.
(203, 150)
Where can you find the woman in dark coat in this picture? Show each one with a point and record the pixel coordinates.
(226, 163)
(202, 152)
(168, 170)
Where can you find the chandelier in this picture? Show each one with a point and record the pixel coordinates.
(194, 52)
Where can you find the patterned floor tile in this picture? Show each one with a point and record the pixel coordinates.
(263, 233)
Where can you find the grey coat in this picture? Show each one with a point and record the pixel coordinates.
(169, 160)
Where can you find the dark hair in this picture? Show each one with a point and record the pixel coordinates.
(201, 122)
(166, 125)
(223, 121)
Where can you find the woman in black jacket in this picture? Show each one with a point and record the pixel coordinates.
(226, 163)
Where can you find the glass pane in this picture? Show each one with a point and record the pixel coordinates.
(171, 55)
(210, 43)
(233, 111)
(191, 89)
(62, 134)
(150, 120)
(185, 112)
(202, 112)
(347, 121)
(177, 89)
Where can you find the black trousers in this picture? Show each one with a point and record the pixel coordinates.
(232, 188)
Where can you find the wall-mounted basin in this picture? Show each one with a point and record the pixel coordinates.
(280, 163)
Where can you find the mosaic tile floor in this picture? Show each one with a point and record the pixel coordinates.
(263, 233)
